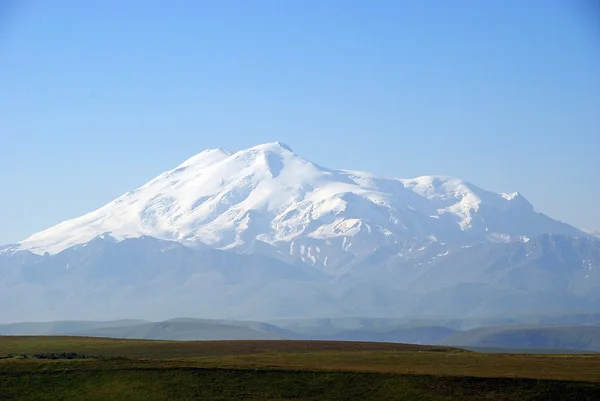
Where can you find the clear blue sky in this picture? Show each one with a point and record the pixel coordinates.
(97, 97)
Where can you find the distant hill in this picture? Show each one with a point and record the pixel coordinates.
(366, 329)
(175, 329)
(378, 330)
(585, 338)
(192, 329)
(63, 327)
(548, 338)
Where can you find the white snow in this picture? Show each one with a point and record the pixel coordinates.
(271, 194)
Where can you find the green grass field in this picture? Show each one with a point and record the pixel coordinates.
(159, 370)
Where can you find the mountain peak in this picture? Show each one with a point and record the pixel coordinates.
(211, 156)
(272, 146)
(206, 158)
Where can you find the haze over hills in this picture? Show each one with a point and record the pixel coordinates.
(264, 233)
(561, 338)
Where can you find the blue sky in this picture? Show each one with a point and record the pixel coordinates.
(98, 97)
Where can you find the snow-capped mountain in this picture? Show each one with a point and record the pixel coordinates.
(269, 200)
(264, 233)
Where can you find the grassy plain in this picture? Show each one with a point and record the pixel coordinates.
(156, 370)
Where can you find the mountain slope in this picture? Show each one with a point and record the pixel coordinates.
(548, 273)
(155, 279)
(268, 200)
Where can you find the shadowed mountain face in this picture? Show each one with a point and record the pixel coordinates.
(264, 233)
(154, 279)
